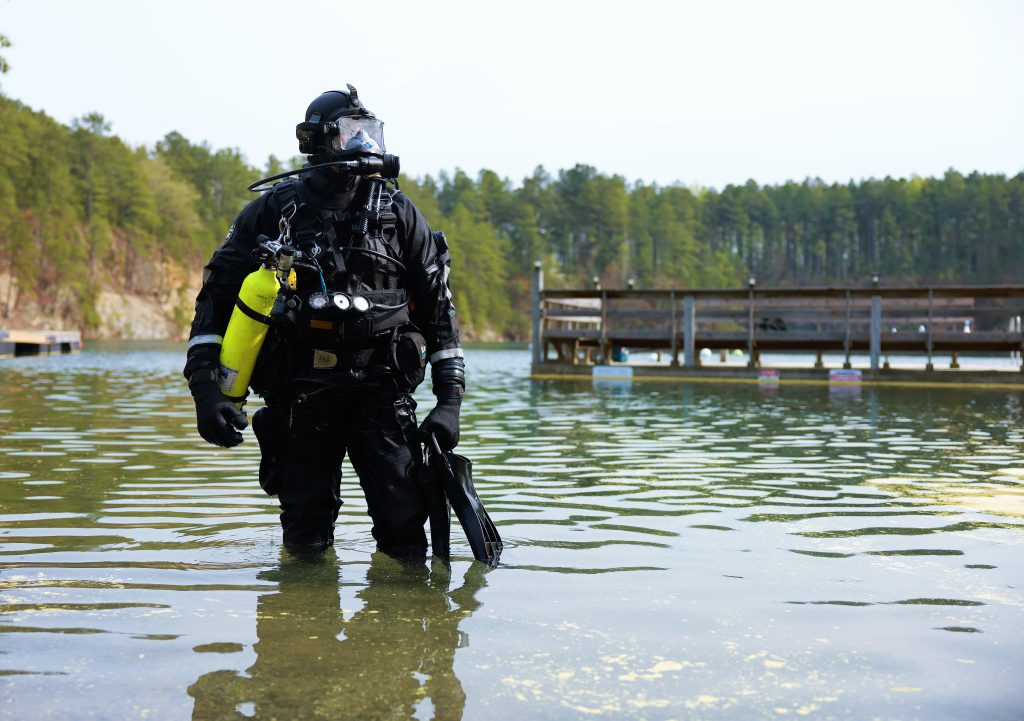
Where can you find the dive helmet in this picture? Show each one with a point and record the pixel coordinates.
(339, 126)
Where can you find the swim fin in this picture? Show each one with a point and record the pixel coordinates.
(454, 474)
(440, 512)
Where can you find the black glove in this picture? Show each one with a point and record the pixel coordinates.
(216, 417)
(448, 377)
(443, 421)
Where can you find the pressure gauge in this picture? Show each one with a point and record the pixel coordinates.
(361, 304)
(342, 302)
(318, 301)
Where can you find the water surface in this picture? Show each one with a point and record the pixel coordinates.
(672, 552)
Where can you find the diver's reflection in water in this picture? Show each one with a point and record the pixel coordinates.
(388, 659)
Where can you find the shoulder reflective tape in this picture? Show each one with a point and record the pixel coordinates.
(442, 354)
(206, 340)
(444, 281)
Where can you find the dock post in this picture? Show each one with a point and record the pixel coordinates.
(752, 362)
(1015, 325)
(1020, 351)
(690, 332)
(1020, 331)
(928, 342)
(538, 331)
(848, 341)
(673, 335)
(606, 356)
(876, 331)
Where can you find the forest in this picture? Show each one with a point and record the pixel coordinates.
(81, 210)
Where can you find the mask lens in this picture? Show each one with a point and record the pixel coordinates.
(360, 135)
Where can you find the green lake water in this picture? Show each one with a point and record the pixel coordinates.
(672, 551)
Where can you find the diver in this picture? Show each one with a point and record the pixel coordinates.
(364, 306)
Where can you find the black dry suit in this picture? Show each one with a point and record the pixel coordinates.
(343, 353)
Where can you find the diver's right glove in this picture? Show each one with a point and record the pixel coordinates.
(217, 418)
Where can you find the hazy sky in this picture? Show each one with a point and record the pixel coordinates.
(704, 93)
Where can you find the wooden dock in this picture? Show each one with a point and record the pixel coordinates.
(578, 330)
(38, 342)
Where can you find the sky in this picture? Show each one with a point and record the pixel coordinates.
(699, 93)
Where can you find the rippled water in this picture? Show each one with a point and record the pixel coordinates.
(672, 552)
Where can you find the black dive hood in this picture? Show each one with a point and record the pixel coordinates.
(387, 166)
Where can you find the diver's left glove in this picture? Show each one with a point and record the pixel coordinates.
(217, 418)
(443, 422)
(448, 378)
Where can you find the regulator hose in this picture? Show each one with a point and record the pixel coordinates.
(388, 166)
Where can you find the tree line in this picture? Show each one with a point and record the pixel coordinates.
(81, 210)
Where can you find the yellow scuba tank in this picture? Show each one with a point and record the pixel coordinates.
(246, 331)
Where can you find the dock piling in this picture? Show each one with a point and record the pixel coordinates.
(928, 341)
(538, 289)
(692, 360)
(606, 356)
(875, 331)
(751, 359)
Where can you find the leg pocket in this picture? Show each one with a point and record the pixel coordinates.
(387, 458)
(391, 418)
(272, 435)
(405, 418)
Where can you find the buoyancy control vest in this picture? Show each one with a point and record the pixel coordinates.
(351, 300)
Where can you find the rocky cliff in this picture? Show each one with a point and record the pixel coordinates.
(156, 304)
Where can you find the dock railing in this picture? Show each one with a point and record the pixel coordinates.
(589, 326)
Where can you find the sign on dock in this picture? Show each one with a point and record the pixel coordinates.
(615, 373)
(845, 376)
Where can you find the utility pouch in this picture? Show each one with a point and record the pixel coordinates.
(275, 365)
(409, 359)
(271, 431)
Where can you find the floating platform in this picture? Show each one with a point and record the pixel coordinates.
(776, 376)
(39, 342)
(589, 333)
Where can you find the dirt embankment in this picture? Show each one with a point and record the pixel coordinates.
(163, 311)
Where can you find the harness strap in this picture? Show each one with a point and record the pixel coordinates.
(370, 327)
(379, 223)
(246, 310)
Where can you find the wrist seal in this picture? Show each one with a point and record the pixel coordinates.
(449, 392)
(202, 376)
(448, 372)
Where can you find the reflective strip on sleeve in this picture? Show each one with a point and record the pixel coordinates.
(206, 340)
(442, 354)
